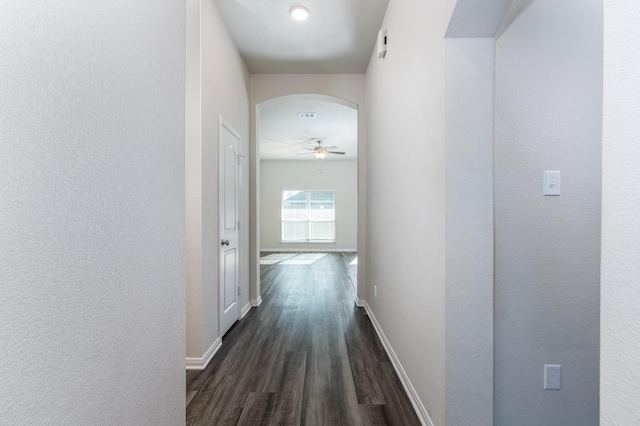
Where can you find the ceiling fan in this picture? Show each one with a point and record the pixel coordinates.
(320, 151)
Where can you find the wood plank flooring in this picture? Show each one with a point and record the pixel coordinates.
(306, 356)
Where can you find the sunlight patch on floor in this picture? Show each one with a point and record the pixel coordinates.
(298, 262)
(272, 259)
(269, 261)
(311, 256)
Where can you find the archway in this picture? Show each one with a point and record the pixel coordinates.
(337, 126)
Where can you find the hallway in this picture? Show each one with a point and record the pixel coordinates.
(307, 355)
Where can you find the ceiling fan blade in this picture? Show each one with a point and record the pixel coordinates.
(336, 152)
(302, 153)
(306, 148)
(305, 141)
(330, 147)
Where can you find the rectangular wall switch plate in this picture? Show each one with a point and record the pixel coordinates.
(551, 183)
(552, 376)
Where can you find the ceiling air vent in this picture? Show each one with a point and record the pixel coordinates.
(306, 115)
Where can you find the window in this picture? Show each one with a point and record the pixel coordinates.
(308, 216)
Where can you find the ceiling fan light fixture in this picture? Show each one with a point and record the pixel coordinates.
(320, 154)
(299, 13)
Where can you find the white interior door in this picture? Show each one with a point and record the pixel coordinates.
(228, 221)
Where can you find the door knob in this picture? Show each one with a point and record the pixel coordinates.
(224, 242)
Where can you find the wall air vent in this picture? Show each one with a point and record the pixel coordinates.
(306, 115)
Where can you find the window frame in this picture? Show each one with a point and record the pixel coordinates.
(307, 221)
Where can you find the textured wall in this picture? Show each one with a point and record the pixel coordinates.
(92, 213)
(469, 231)
(406, 193)
(620, 295)
(548, 115)
(276, 176)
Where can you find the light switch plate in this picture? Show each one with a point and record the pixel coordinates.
(551, 183)
(552, 376)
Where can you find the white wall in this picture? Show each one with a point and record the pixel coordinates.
(277, 176)
(548, 116)
(92, 213)
(350, 87)
(469, 84)
(620, 293)
(217, 85)
(406, 193)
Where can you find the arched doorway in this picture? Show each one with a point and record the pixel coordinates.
(289, 131)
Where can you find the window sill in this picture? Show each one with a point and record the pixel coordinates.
(308, 241)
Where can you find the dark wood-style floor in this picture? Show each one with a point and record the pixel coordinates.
(306, 356)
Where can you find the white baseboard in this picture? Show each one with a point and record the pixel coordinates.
(360, 303)
(256, 302)
(419, 408)
(245, 310)
(201, 363)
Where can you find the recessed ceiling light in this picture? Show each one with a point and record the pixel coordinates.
(299, 13)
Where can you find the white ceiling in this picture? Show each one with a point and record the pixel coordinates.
(283, 134)
(338, 37)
